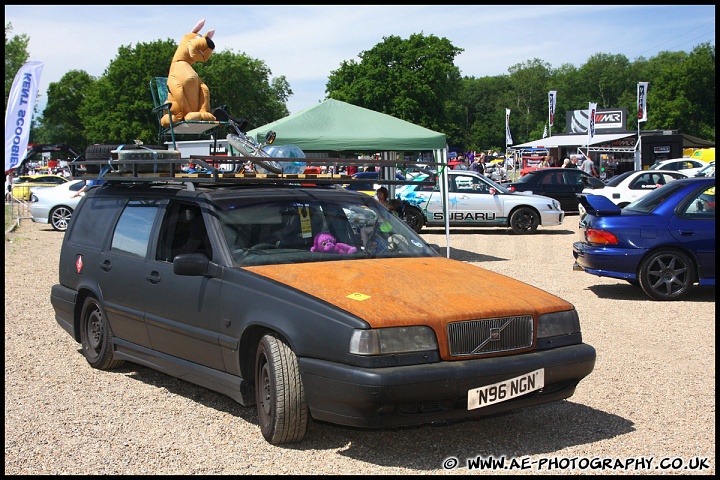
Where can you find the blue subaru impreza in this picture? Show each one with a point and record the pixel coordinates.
(663, 242)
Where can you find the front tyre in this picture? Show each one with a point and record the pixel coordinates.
(281, 405)
(60, 217)
(414, 218)
(95, 336)
(666, 275)
(524, 220)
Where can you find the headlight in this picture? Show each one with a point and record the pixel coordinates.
(33, 198)
(555, 205)
(383, 341)
(558, 324)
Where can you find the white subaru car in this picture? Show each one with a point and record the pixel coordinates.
(476, 201)
(629, 186)
(55, 205)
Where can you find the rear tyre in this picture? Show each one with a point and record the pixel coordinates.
(95, 336)
(279, 393)
(414, 218)
(524, 220)
(60, 217)
(666, 275)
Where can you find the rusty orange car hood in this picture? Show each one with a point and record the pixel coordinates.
(414, 291)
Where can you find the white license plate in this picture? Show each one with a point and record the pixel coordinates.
(505, 390)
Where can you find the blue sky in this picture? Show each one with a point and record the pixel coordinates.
(305, 43)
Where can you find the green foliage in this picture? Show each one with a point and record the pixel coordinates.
(681, 93)
(16, 55)
(117, 107)
(411, 79)
(606, 79)
(529, 84)
(61, 121)
(243, 84)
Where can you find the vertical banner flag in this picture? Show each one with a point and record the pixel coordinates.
(591, 122)
(18, 115)
(551, 105)
(508, 137)
(642, 101)
(545, 134)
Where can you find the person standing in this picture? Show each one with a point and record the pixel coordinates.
(573, 161)
(588, 166)
(545, 162)
(8, 187)
(479, 164)
(382, 194)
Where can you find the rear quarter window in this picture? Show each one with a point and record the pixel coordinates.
(93, 221)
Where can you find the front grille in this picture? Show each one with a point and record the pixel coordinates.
(491, 335)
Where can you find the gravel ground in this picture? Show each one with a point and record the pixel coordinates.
(651, 395)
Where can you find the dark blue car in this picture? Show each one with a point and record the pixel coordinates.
(664, 242)
(371, 177)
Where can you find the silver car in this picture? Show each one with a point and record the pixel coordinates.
(476, 201)
(55, 205)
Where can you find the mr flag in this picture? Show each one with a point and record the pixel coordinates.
(592, 109)
(642, 101)
(508, 137)
(552, 94)
(18, 115)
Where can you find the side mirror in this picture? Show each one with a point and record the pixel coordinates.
(270, 137)
(194, 265)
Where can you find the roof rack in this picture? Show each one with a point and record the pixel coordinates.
(151, 166)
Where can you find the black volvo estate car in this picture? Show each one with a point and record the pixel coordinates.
(274, 294)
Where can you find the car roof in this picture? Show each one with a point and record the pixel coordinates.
(681, 159)
(40, 175)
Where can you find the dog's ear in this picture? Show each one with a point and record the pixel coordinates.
(198, 26)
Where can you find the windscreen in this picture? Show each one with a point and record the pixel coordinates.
(299, 227)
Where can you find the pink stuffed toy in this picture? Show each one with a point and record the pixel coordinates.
(326, 243)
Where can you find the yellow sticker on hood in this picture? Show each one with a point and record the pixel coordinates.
(358, 296)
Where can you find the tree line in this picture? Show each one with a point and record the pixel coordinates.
(414, 79)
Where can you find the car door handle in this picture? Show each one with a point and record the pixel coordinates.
(687, 233)
(106, 265)
(153, 277)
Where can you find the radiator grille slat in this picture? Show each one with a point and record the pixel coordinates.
(491, 335)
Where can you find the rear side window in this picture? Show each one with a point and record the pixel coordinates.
(132, 233)
(90, 225)
(77, 186)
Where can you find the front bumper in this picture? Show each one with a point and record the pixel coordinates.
(421, 394)
(552, 217)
